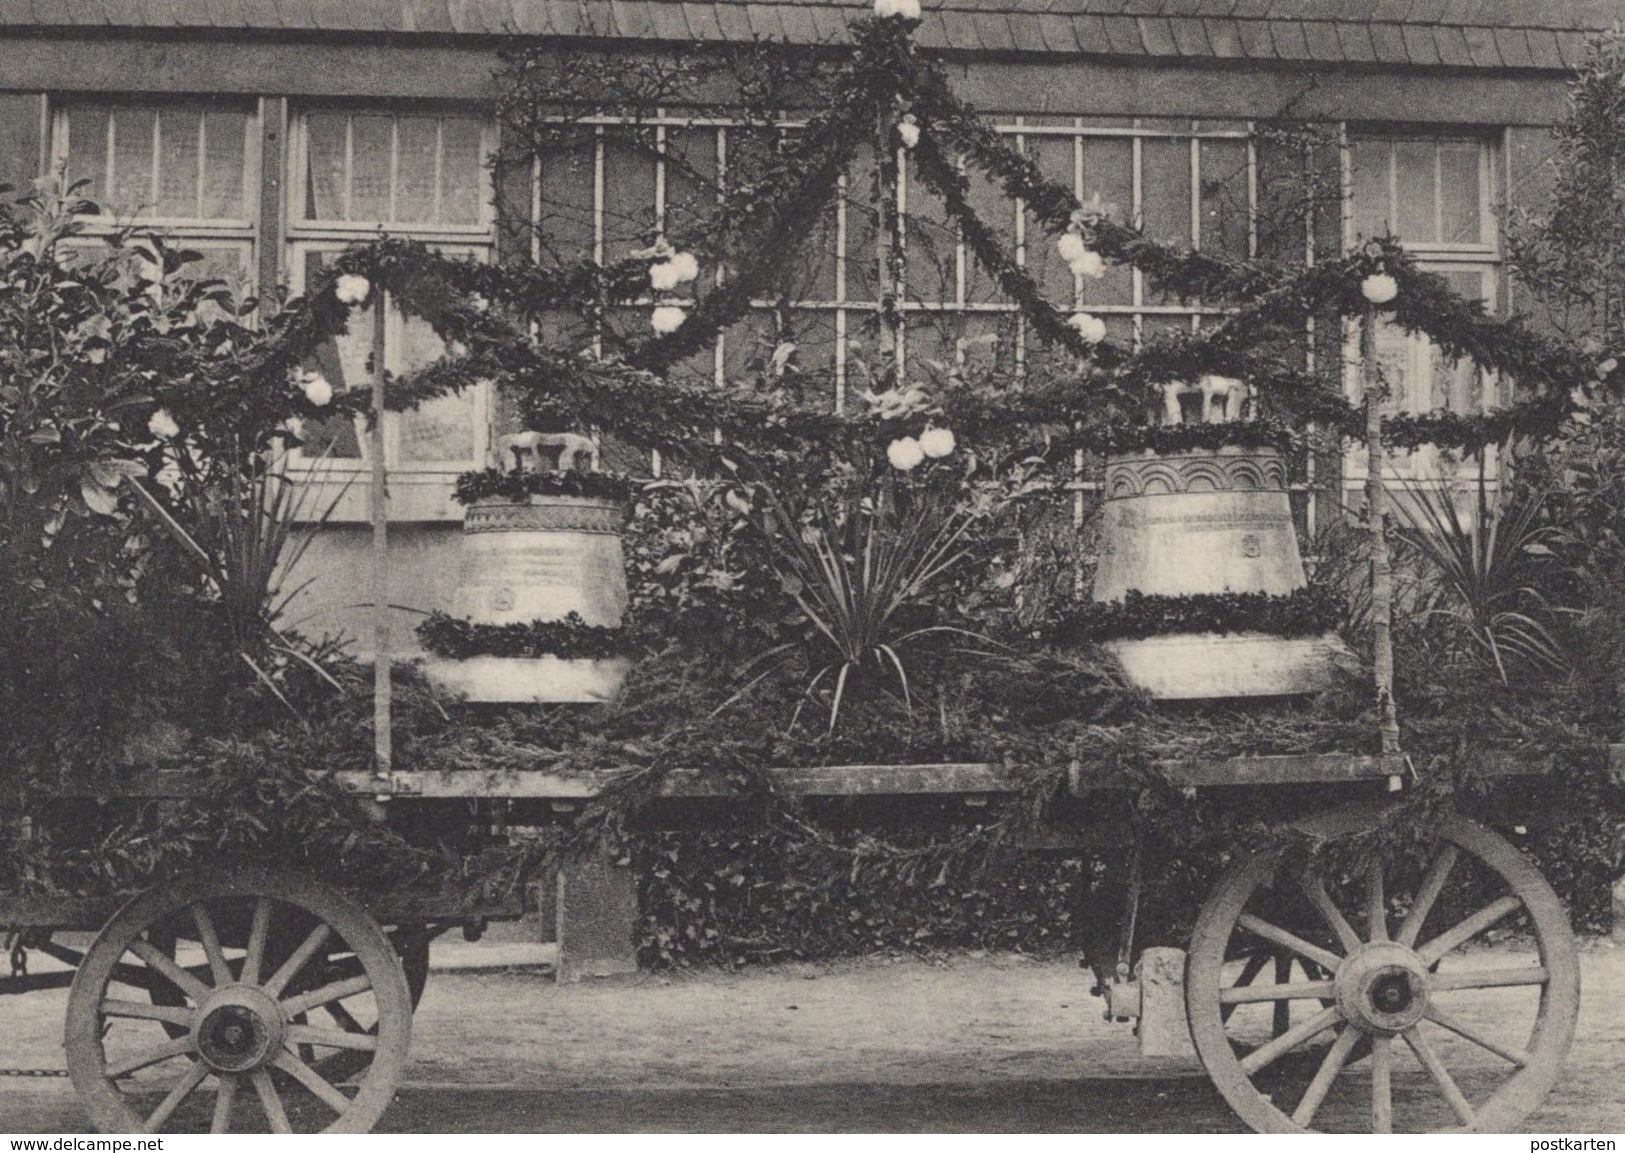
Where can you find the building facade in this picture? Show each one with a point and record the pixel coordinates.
(268, 134)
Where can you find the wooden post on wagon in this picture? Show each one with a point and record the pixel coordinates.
(382, 685)
(1382, 572)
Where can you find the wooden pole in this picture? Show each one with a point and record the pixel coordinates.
(1382, 572)
(888, 241)
(382, 686)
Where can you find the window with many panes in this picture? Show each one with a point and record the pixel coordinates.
(1436, 195)
(360, 172)
(188, 169)
(609, 191)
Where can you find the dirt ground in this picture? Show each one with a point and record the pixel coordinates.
(971, 1043)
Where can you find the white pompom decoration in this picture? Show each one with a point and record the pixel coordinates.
(937, 442)
(163, 426)
(668, 318)
(1088, 326)
(908, 132)
(1379, 288)
(1088, 265)
(663, 276)
(317, 389)
(907, 9)
(1071, 247)
(686, 265)
(905, 454)
(352, 289)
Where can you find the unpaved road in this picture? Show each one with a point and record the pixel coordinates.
(974, 1043)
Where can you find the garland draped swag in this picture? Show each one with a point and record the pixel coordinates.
(485, 313)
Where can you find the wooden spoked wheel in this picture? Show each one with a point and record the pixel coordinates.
(1372, 1003)
(218, 1003)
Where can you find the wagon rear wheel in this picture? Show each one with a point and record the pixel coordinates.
(1393, 969)
(288, 973)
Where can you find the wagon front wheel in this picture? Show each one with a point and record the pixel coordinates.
(1405, 1018)
(212, 1004)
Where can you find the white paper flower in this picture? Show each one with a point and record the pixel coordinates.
(1089, 264)
(907, 9)
(1379, 288)
(667, 318)
(352, 289)
(663, 276)
(163, 426)
(686, 265)
(1091, 328)
(905, 454)
(1071, 247)
(937, 442)
(317, 390)
(1606, 368)
(478, 303)
(908, 131)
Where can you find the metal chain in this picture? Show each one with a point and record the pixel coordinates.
(34, 1073)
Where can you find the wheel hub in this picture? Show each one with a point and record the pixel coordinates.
(1382, 987)
(239, 1030)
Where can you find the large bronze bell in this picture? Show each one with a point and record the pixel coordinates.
(540, 559)
(1207, 521)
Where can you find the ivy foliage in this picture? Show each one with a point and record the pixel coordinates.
(569, 638)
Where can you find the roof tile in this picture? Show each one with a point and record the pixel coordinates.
(1514, 46)
(799, 27)
(702, 20)
(596, 19)
(1124, 36)
(1356, 42)
(731, 17)
(994, 31)
(1322, 40)
(1543, 47)
(934, 32)
(1225, 38)
(1190, 38)
(1453, 49)
(1426, 12)
(1091, 33)
(1481, 43)
(832, 28)
(764, 21)
(16, 12)
(1390, 11)
(1290, 43)
(118, 13)
(1057, 31)
(1157, 36)
(1573, 47)
(88, 12)
(667, 21)
(1389, 42)
(1256, 40)
(1419, 44)
(1025, 31)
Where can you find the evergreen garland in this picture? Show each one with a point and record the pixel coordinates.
(1308, 611)
(519, 486)
(568, 639)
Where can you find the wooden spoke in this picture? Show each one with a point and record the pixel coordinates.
(332, 1038)
(346, 1020)
(290, 1064)
(1336, 1057)
(338, 990)
(316, 938)
(1439, 1017)
(210, 940)
(259, 930)
(1441, 1076)
(1291, 1039)
(1261, 928)
(275, 1115)
(1315, 889)
(1283, 1009)
(1488, 978)
(177, 1047)
(177, 976)
(1251, 969)
(1382, 1088)
(1433, 882)
(170, 1014)
(1300, 991)
(223, 1101)
(182, 1090)
(1468, 929)
(1376, 904)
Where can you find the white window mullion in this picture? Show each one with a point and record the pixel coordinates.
(840, 292)
(155, 178)
(349, 167)
(439, 209)
(202, 162)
